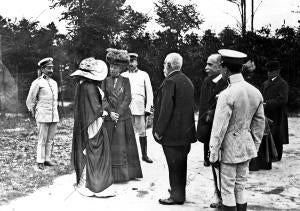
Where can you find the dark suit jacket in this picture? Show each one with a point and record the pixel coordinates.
(207, 106)
(118, 98)
(174, 111)
(275, 95)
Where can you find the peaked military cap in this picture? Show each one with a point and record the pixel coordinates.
(46, 62)
(232, 56)
(133, 56)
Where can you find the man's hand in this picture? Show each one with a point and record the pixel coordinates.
(209, 116)
(213, 157)
(114, 116)
(157, 137)
(216, 164)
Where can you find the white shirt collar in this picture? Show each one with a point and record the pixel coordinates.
(274, 78)
(171, 73)
(216, 79)
(236, 78)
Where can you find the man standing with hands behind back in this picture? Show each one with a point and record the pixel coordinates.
(275, 92)
(174, 124)
(141, 103)
(42, 103)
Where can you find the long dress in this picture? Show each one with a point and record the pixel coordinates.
(124, 153)
(267, 152)
(90, 154)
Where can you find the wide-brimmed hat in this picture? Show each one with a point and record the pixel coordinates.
(92, 69)
(273, 65)
(232, 56)
(117, 57)
(46, 62)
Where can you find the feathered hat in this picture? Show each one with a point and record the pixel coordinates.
(118, 57)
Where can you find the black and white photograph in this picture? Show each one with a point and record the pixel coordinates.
(150, 105)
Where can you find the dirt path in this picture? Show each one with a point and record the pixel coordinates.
(278, 189)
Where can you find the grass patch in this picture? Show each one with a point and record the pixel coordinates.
(19, 175)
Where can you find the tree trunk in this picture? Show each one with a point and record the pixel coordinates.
(243, 8)
(252, 16)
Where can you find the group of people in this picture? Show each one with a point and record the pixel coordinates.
(209, 131)
(109, 111)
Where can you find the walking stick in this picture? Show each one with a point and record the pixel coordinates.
(217, 187)
(218, 190)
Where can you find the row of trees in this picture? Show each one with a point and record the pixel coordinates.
(95, 25)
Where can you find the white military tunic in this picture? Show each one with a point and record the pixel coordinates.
(42, 99)
(141, 92)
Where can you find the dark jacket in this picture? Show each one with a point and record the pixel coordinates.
(118, 98)
(275, 95)
(207, 106)
(174, 111)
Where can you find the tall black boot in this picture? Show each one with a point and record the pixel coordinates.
(241, 207)
(228, 208)
(143, 143)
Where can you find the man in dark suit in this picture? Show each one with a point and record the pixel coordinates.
(212, 85)
(275, 92)
(174, 124)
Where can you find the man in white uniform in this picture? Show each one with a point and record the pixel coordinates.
(237, 130)
(142, 101)
(42, 104)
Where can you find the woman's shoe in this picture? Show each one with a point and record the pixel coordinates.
(108, 192)
(85, 191)
(216, 205)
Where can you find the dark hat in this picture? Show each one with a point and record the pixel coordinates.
(118, 57)
(46, 62)
(133, 56)
(232, 56)
(273, 65)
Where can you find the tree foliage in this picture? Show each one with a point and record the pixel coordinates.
(177, 18)
(96, 25)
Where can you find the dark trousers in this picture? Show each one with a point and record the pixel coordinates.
(176, 157)
(279, 148)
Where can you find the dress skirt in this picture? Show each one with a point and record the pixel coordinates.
(267, 152)
(124, 153)
(98, 162)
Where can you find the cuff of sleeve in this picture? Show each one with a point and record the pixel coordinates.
(213, 157)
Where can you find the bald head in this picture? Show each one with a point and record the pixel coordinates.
(213, 64)
(173, 61)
